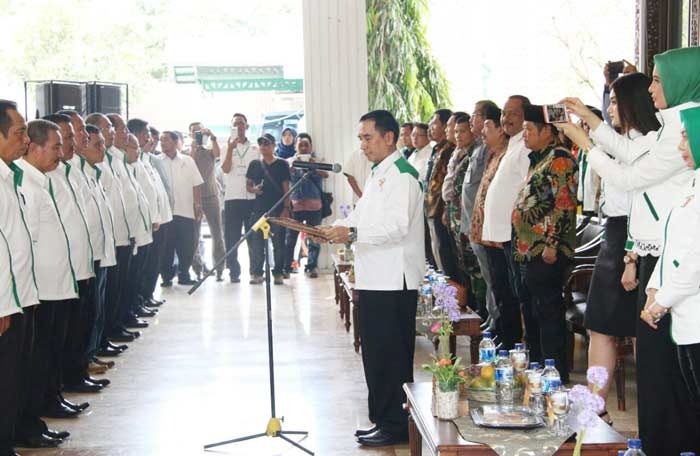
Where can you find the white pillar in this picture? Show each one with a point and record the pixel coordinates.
(335, 84)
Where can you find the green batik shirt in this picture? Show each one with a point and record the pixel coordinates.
(545, 209)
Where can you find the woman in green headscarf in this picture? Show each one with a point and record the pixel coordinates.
(673, 288)
(658, 177)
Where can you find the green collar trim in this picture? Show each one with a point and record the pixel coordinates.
(18, 174)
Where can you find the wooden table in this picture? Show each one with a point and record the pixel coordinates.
(443, 439)
(340, 297)
(351, 298)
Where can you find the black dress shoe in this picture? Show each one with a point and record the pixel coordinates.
(166, 283)
(383, 438)
(121, 336)
(108, 352)
(153, 302)
(136, 334)
(60, 410)
(142, 312)
(83, 387)
(62, 435)
(80, 407)
(107, 364)
(235, 279)
(187, 281)
(120, 347)
(38, 441)
(135, 323)
(363, 432)
(98, 381)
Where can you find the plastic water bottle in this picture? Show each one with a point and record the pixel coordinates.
(519, 357)
(534, 381)
(504, 378)
(487, 349)
(548, 374)
(634, 448)
(426, 297)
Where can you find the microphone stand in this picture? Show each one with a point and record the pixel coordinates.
(274, 425)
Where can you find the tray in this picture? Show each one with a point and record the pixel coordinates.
(506, 417)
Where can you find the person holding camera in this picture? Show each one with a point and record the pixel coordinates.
(205, 158)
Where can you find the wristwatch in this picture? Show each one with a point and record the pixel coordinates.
(352, 236)
(629, 260)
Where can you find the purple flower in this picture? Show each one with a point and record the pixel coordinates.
(597, 375)
(446, 299)
(587, 418)
(579, 394)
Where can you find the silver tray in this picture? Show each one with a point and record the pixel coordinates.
(506, 417)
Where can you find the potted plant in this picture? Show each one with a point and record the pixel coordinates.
(448, 375)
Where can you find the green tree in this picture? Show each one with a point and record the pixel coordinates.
(404, 77)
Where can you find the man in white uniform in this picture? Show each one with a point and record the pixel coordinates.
(387, 230)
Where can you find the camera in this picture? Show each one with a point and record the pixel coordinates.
(615, 68)
(198, 138)
(555, 113)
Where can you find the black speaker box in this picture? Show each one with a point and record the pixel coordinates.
(54, 96)
(104, 98)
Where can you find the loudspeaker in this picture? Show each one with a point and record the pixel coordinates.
(54, 96)
(104, 98)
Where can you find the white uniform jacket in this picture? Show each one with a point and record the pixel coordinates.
(659, 172)
(113, 187)
(143, 231)
(71, 204)
(16, 233)
(677, 273)
(55, 276)
(105, 243)
(390, 249)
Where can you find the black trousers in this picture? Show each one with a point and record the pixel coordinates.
(258, 249)
(545, 282)
(98, 318)
(11, 343)
(509, 324)
(667, 425)
(447, 248)
(81, 319)
(518, 288)
(36, 353)
(151, 267)
(312, 218)
(131, 300)
(116, 280)
(180, 239)
(388, 340)
(237, 220)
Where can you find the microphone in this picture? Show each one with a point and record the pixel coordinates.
(332, 167)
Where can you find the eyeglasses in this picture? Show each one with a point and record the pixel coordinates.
(264, 142)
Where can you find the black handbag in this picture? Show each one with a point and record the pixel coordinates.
(326, 201)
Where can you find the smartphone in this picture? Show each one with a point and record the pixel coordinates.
(615, 68)
(555, 113)
(198, 138)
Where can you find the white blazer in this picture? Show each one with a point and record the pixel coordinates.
(677, 273)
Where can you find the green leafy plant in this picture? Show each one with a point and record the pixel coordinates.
(448, 373)
(404, 77)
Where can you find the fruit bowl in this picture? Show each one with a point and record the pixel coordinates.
(480, 383)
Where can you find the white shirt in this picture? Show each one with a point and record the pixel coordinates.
(164, 211)
(419, 160)
(358, 167)
(15, 229)
(104, 227)
(677, 273)
(588, 184)
(55, 276)
(143, 232)
(660, 174)
(184, 176)
(9, 303)
(616, 202)
(70, 202)
(235, 180)
(504, 188)
(390, 246)
(113, 188)
(134, 218)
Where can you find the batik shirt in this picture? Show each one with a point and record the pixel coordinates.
(545, 209)
(454, 207)
(437, 169)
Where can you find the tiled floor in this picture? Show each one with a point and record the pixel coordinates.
(199, 375)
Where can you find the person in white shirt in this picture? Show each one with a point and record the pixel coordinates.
(386, 228)
(55, 274)
(357, 170)
(159, 205)
(72, 320)
(187, 207)
(238, 201)
(137, 219)
(423, 149)
(662, 177)
(498, 207)
(19, 312)
(114, 330)
(673, 287)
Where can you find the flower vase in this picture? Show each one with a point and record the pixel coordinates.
(447, 403)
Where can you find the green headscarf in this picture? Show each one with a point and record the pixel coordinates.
(679, 70)
(691, 121)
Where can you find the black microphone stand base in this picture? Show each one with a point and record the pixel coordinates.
(274, 429)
